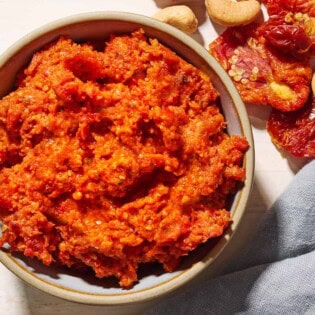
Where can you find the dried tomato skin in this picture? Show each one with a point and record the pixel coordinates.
(295, 6)
(290, 28)
(289, 39)
(270, 64)
(295, 131)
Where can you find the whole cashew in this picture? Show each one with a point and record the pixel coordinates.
(228, 13)
(179, 16)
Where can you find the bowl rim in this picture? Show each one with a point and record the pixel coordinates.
(168, 286)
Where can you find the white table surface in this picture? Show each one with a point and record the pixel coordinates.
(273, 173)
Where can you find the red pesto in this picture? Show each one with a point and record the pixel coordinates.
(113, 157)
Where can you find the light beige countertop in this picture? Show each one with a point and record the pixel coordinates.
(273, 171)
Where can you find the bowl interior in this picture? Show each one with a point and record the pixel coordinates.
(86, 288)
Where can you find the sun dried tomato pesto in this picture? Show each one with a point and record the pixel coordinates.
(115, 157)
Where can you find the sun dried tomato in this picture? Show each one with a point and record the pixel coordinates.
(312, 49)
(295, 131)
(295, 6)
(288, 38)
(291, 25)
(290, 32)
(262, 74)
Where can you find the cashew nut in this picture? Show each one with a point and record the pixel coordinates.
(179, 16)
(228, 13)
(313, 84)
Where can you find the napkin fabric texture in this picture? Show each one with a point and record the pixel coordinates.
(276, 275)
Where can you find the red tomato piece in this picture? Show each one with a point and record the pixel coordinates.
(261, 73)
(287, 38)
(294, 132)
(290, 32)
(296, 6)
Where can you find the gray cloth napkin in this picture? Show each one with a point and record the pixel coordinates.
(277, 273)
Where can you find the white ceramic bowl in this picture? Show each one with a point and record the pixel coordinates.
(155, 283)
